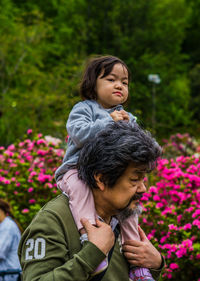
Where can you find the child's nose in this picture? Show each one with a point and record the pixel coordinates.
(118, 85)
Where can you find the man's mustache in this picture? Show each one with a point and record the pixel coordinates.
(136, 196)
(127, 211)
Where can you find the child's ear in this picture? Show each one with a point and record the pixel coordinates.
(99, 182)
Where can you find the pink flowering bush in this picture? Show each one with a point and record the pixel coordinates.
(27, 174)
(172, 216)
(181, 144)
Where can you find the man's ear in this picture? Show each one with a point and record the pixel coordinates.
(99, 182)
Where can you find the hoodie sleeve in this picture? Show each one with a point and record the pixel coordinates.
(83, 123)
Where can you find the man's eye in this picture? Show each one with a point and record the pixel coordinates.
(134, 180)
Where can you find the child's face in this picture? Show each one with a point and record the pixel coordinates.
(113, 88)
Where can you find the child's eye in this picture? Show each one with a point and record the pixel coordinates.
(110, 79)
(125, 83)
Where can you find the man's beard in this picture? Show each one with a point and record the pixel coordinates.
(127, 211)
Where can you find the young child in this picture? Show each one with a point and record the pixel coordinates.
(104, 88)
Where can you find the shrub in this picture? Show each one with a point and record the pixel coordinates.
(172, 216)
(27, 174)
(181, 144)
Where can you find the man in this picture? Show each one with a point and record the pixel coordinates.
(113, 165)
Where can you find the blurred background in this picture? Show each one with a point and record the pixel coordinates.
(44, 45)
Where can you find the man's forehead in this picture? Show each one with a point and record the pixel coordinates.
(139, 173)
(137, 169)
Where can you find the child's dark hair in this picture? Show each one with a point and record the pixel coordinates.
(93, 70)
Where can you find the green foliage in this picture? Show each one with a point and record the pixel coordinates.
(35, 90)
(44, 44)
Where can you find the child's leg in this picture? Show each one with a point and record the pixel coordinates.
(81, 203)
(81, 199)
(129, 231)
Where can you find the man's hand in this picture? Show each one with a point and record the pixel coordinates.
(101, 235)
(119, 115)
(142, 253)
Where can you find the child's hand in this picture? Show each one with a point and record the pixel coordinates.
(119, 115)
(125, 115)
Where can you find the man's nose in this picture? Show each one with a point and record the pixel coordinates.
(141, 187)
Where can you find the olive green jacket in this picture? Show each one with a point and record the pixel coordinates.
(50, 249)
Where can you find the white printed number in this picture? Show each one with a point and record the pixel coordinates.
(38, 246)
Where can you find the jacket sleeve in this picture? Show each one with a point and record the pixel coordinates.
(80, 125)
(44, 253)
(156, 273)
(133, 118)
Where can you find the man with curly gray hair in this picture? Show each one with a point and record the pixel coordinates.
(113, 165)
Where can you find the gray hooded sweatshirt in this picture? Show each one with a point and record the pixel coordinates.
(85, 120)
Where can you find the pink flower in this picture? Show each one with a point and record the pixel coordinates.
(156, 198)
(24, 211)
(9, 153)
(7, 181)
(197, 223)
(32, 174)
(21, 144)
(187, 226)
(173, 266)
(153, 189)
(159, 205)
(29, 131)
(30, 189)
(49, 185)
(149, 236)
(41, 141)
(196, 213)
(145, 197)
(42, 177)
(181, 252)
(172, 227)
(11, 147)
(31, 201)
(42, 152)
(187, 243)
(162, 240)
(179, 218)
